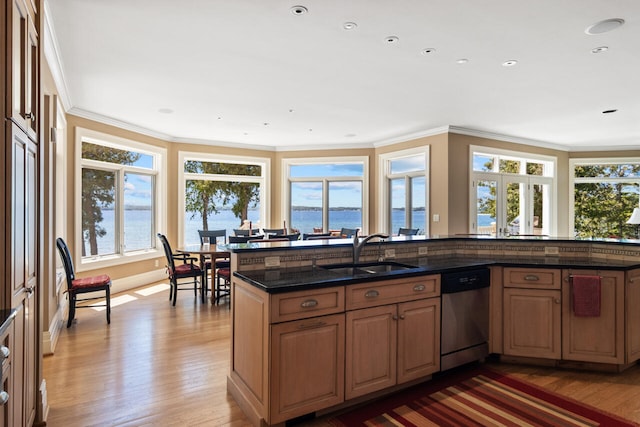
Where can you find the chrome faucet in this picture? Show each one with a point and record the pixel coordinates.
(358, 245)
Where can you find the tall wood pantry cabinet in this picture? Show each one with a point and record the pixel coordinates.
(21, 206)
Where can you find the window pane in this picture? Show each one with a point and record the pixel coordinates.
(407, 164)
(306, 206)
(138, 212)
(418, 205)
(217, 205)
(535, 169)
(483, 163)
(215, 168)
(113, 155)
(398, 197)
(540, 209)
(607, 171)
(486, 207)
(345, 205)
(98, 215)
(602, 209)
(509, 166)
(515, 221)
(326, 170)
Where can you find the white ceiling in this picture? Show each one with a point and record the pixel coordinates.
(251, 73)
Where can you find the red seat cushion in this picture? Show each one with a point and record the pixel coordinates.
(90, 282)
(224, 272)
(187, 269)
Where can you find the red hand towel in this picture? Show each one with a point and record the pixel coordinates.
(586, 296)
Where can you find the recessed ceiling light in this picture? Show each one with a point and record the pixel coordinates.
(165, 110)
(609, 111)
(350, 135)
(291, 110)
(462, 61)
(604, 26)
(599, 49)
(391, 39)
(266, 124)
(299, 10)
(428, 50)
(349, 25)
(509, 63)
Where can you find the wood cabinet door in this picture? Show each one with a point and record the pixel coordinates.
(370, 350)
(632, 302)
(307, 366)
(532, 323)
(418, 339)
(600, 338)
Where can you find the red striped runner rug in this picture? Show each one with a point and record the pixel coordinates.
(477, 397)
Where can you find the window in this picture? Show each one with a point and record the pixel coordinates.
(221, 193)
(326, 194)
(119, 199)
(512, 193)
(405, 190)
(605, 192)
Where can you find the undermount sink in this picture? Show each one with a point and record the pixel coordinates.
(367, 268)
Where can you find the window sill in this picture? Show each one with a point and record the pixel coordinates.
(94, 263)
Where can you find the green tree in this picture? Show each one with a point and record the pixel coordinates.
(601, 209)
(98, 190)
(205, 197)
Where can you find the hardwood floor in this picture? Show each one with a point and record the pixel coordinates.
(159, 365)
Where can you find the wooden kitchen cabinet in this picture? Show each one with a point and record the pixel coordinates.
(595, 339)
(389, 344)
(632, 315)
(532, 313)
(287, 351)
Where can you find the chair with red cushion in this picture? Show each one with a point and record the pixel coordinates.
(76, 286)
(186, 270)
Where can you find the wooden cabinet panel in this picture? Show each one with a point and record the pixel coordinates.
(530, 278)
(595, 339)
(307, 366)
(418, 339)
(392, 291)
(632, 313)
(309, 303)
(532, 323)
(370, 350)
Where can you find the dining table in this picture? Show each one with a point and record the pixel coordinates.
(207, 251)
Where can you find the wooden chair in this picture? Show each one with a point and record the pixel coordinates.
(240, 239)
(186, 270)
(213, 236)
(348, 232)
(408, 231)
(83, 285)
(274, 232)
(306, 236)
(243, 232)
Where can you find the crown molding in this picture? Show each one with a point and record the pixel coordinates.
(54, 60)
(506, 138)
(411, 136)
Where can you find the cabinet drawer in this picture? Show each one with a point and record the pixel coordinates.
(308, 303)
(381, 292)
(532, 278)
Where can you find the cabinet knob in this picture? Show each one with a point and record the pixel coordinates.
(29, 290)
(4, 397)
(531, 278)
(29, 116)
(372, 294)
(5, 352)
(394, 317)
(556, 300)
(309, 303)
(419, 288)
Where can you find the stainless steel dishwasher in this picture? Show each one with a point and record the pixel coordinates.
(465, 317)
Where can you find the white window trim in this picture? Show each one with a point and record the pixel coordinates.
(160, 166)
(264, 180)
(286, 193)
(383, 166)
(550, 177)
(593, 161)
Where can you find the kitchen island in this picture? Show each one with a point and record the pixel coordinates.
(306, 338)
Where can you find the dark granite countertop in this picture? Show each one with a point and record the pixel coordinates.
(294, 279)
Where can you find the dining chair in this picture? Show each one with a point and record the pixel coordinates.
(274, 231)
(240, 239)
(186, 270)
(408, 231)
(214, 236)
(348, 232)
(306, 236)
(245, 232)
(76, 286)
